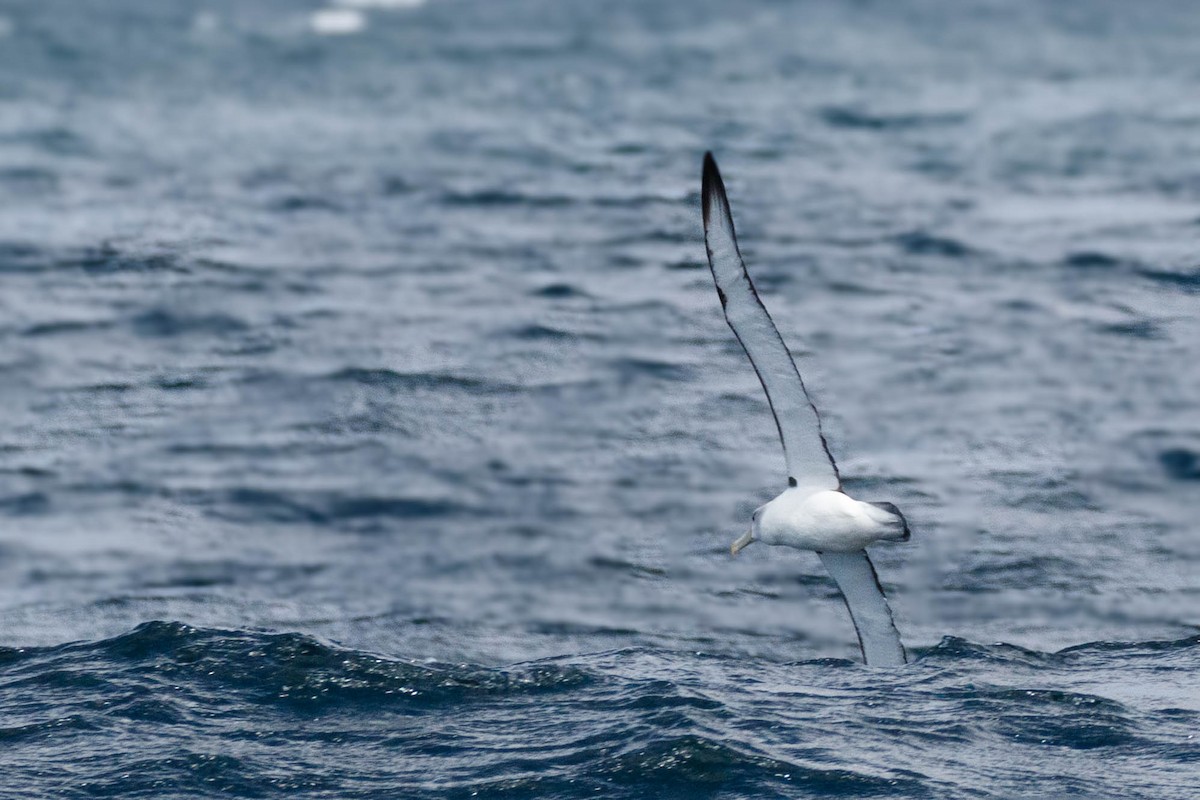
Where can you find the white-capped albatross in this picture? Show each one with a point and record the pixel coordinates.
(813, 513)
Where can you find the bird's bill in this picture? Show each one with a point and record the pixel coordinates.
(742, 541)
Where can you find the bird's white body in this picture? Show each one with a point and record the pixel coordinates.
(825, 521)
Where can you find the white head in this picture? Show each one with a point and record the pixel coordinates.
(753, 535)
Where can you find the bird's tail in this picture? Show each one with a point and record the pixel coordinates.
(898, 523)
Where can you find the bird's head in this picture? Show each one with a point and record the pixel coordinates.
(749, 537)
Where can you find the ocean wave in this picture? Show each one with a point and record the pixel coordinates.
(393, 380)
(923, 243)
(857, 119)
(1185, 279)
(247, 503)
(624, 722)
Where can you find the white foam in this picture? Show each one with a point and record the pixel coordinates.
(337, 21)
(205, 23)
(380, 3)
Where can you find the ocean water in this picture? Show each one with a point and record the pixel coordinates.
(369, 427)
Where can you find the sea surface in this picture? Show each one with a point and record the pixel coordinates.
(369, 427)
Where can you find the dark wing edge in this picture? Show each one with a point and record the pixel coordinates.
(768, 353)
(878, 637)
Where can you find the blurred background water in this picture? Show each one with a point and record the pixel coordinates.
(369, 427)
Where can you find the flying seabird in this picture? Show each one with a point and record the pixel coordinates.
(813, 513)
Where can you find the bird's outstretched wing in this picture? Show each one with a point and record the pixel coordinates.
(877, 634)
(809, 462)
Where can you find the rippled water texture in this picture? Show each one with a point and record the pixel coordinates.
(370, 347)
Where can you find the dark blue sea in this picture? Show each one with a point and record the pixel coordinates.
(369, 427)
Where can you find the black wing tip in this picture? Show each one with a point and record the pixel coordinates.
(711, 187)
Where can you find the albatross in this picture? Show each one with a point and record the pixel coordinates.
(812, 513)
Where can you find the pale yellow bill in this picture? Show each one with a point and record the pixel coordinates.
(743, 540)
